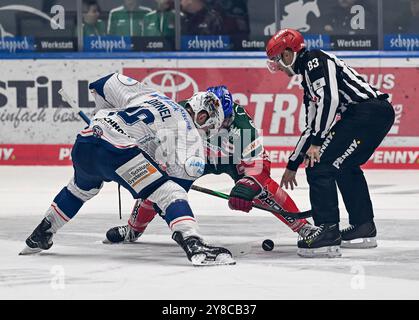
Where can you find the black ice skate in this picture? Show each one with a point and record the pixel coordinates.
(200, 254)
(40, 239)
(360, 236)
(124, 234)
(325, 242)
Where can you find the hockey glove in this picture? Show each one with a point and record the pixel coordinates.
(243, 193)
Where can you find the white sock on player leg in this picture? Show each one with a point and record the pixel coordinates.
(57, 218)
(187, 226)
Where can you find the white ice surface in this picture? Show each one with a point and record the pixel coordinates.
(79, 266)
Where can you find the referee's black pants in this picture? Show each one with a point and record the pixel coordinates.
(350, 143)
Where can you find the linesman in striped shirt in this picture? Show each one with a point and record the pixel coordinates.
(333, 151)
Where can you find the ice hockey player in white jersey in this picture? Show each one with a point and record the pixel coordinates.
(148, 144)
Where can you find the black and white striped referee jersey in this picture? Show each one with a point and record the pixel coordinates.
(330, 87)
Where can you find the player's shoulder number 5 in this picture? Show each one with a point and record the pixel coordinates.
(314, 63)
(134, 114)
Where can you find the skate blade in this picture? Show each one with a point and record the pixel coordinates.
(28, 251)
(106, 241)
(200, 260)
(361, 243)
(325, 252)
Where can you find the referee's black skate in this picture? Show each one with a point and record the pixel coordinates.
(324, 242)
(40, 239)
(360, 236)
(120, 234)
(201, 254)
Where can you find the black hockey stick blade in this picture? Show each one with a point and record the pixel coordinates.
(284, 213)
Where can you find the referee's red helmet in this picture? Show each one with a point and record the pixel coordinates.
(283, 39)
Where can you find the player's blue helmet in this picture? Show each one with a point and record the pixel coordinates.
(225, 97)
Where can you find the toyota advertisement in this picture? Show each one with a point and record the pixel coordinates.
(38, 128)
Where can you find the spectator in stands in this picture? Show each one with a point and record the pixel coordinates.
(414, 7)
(235, 15)
(411, 21)
(408, 19)
(339, 18)
(92, 25)
(198, 19)
(127, 20)
(160, 22)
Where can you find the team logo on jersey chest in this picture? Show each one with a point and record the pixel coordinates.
(97, 131)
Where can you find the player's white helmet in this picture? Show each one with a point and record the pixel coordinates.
(207, 110)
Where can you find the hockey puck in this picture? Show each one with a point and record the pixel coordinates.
(268, 245)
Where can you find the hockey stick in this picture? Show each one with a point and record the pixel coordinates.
(284, 213)
(73, 105)
(86, 119)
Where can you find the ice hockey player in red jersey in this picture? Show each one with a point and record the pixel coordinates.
(239, 153)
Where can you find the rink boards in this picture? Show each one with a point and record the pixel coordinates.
(60, 155)
(38, 128)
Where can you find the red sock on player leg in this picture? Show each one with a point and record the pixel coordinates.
(282, 198)
(142, 214)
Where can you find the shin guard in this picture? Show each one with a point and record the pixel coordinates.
(142, 214)
(273, 196)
